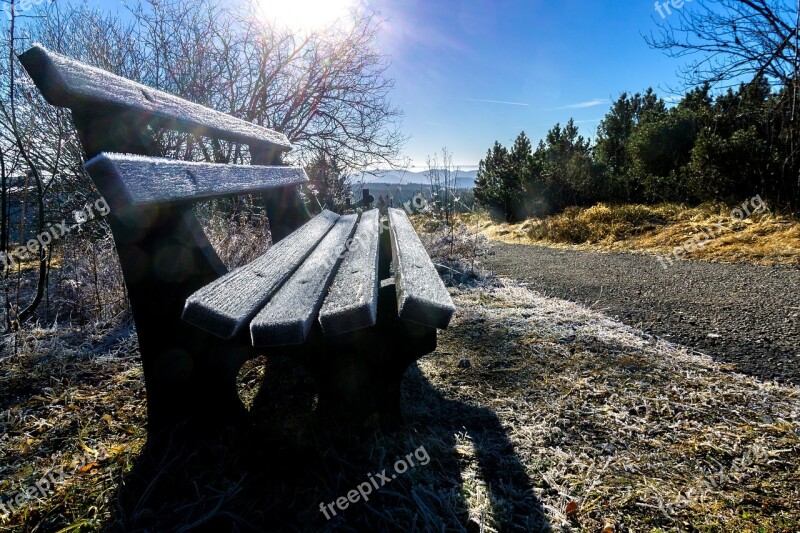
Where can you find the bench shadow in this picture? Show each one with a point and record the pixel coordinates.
(276, 472)
(509, 489)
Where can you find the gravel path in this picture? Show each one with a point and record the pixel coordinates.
(743, 314)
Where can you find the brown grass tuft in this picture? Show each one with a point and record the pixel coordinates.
(764, 238)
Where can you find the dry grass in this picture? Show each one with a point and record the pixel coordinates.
(764, 238)
(71, 400)
(619, 430)
(237, 239)
(561, 413)
(84, 283)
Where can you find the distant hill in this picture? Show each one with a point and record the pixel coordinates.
(464, 180)
(404, 192)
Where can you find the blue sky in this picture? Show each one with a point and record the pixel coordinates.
(560, 59)
(548, 60)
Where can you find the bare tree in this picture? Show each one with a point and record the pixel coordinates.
(13, 135)
(42, 178)
(733, 39)
(442, 178)
(327, 91)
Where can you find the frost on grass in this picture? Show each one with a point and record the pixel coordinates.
(618, 429)
(560, 418)
(70, 401)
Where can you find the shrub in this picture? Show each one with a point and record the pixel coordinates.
(601, 222)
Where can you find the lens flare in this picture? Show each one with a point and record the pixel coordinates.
(305, 15)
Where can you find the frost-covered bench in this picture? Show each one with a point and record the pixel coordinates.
(321, 293)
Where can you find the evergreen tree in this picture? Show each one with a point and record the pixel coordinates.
(490, 185)
(731, 155)
(505, 180)
(613, 138)
(567, 173)
(708, 147)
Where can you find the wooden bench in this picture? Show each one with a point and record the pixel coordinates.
(323, 293)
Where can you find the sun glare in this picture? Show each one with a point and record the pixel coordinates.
(305, 15)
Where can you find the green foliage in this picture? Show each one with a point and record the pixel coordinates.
(504, 177)
(659, 148)
(726, 168)
(567, 167)
(613, 138)
(707, 148)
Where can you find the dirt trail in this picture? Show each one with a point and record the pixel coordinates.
(743, 314)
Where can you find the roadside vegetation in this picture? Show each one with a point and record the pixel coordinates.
(734, 133)
(763, 238)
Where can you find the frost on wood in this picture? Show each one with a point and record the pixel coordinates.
(138, 180)
(421, 295)
(65, 82)
(224, 306)
(288, 316)
(352, 301)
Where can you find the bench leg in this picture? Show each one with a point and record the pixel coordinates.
(165, 257)
(359, 374)
(189, 374)
(195, 386)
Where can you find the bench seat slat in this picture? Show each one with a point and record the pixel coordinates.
(65, 82)
(288, 316)
(421, 295)
(140, 180)
(224, 306)
(352, 301)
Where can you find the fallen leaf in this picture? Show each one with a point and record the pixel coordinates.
(572, 508)
(87, 467)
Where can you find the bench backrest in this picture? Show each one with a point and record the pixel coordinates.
(140, 180)
(65, 82)
(114, 115)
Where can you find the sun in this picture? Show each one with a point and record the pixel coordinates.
(305, 15)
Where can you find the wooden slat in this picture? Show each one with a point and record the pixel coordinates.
(139, 180)
(65, 82)
(352, 301)
(421, 295)
(288, 316)
(224, 306)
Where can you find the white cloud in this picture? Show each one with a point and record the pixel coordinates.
(495, 102)
(580, 105)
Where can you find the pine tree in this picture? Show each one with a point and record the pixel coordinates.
(490, 183)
